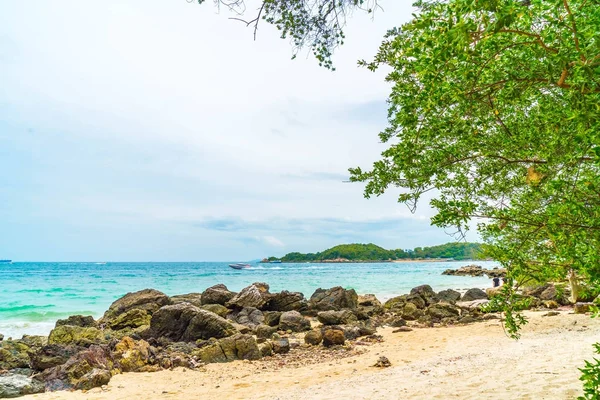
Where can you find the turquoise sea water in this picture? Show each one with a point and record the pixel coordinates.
(34, 295)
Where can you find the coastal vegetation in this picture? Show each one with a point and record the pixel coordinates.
(371, 252)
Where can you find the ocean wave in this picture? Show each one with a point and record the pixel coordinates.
(13, 309)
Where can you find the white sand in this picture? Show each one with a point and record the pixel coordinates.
(465, 362)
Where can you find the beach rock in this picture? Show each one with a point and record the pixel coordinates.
(186, 322)
(449, 296)
(535, 291)
(410, 312)
(397, 322)
(95, 378)
(217, 294)
(313, 337)
(551, 304)
(281, 345)
(52, 355)
(496, 272)
(550, 293)
(77, 320)
(133, 318)
(241, 328)
(333, 337)
(77, 371)
(248, 316)
(192, 298)
(131, 355)
(551, 314)
(287, 301)
(264, 331)
(336, 298)
(218, 309)
(14, 354)
(467, 319)
(149, 300)
(336, 317)
(426, 295)
(441, 311)
(294, 321)
(402, 329)
(383, 362)
(395, 303)
(255, 295)
(76, 335)
(272, 317)
(266, 349)
(237, 347)
(368, 300)
(15, 385)
(472, 305)
(473, 294)
(582, 308)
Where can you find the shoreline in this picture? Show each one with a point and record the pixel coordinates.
(407, 260)
(468, 361)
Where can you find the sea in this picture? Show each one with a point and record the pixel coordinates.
(33, 295)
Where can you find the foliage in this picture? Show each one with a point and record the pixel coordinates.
(590, 375)
(371, 252)
(316, 24)
(496, 106)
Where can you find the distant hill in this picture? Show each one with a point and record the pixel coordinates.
(370, 252)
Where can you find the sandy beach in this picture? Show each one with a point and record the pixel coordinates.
(476, 361)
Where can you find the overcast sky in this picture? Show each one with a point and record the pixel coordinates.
(159, 130)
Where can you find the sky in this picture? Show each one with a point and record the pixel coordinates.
(160, 130)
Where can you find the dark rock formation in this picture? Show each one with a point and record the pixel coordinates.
(333, 337)
(293, 321)
(474, 294)
(336, 317)
(77, 320)
(15, 385)
(192, 298)
(255, 295)
(336, 298)
(149, 300)
(217, 294)
(287, 301)
(313, 337)
(449, 296)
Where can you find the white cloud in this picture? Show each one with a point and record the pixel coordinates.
(272, 241)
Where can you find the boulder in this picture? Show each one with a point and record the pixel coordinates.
(255, 295)
(467, 270)
(549, 293)
(15, 385)
(336, 317)
(368, 300)
(582, 308)
(441, 311)
(474, 294)
(272, 317)
(78, 373)
(336, 298)
(14, 354)
(424, 292)
(265, 348)
(472, 305)
(77, 320)
(287, 301)
(76, 335)
(395, 303)
(149, 300)
(186, 322)
(281, 345)
(52, 355)
(192, 298)
(131, 355)
(217, 294)
(218, 309)
(313, 337)
(133, 318)
(551, 304)
(293, 321)
(248, 316)
(264, 331)
(333, 337)
(449, 296)
(397, 322)
(237, 347)
(410, 312)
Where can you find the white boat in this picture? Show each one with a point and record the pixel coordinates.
(239, 265)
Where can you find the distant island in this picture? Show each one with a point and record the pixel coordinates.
(359, 252)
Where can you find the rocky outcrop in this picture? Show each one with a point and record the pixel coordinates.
(133, 318)
(255, 295)
(217, 294)
(14, 354)
(472, 305)
(281, 345)
(313, 337)
(293, 321)
(474, 294)
(476, 270)
(131, 355)
(248, 316)
(52, 355)
(218, 309)
(186, 322)
(149, 300)
(15, 385)
(287, 301)
(336, 298)
(443, 311)
(238, 347)
(336, 317)
(272, 317)
(422, 296)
